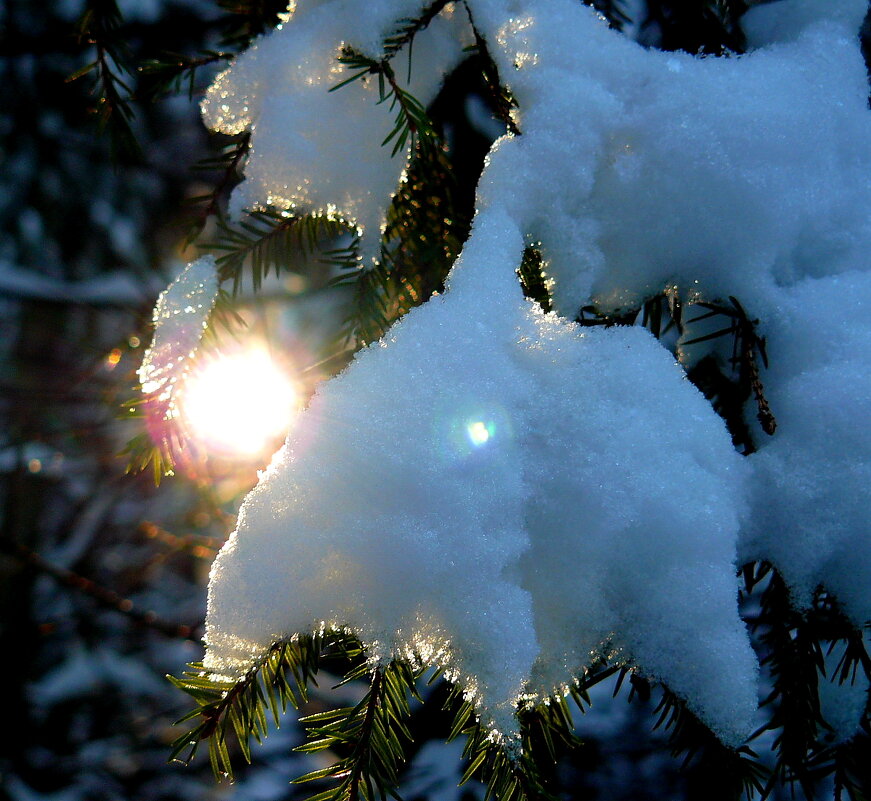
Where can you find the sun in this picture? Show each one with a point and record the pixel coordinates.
(238, 404)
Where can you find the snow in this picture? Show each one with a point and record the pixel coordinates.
(181, 315)
(493, 534)
(500, 491)
(281, 84)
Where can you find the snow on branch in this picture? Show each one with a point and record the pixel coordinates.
(487, 473)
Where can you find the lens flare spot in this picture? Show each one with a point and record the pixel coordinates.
(480, 432)
(238, 404)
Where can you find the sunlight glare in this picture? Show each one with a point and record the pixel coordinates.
(238, 404)
(479, 432)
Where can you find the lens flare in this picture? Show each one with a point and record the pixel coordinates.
(238, 404)
(480, 432)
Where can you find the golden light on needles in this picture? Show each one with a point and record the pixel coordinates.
(238, 404)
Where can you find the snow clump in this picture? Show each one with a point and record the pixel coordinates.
(501, 491)
(312, 148)
(180, 319)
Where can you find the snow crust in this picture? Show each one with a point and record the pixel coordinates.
(500, 491)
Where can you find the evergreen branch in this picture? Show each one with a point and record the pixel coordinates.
(411, 125)
(105, 597)
(229, 163)
(159, 446)
(371, 307)
(848, 766)
(735, 772)
(727, 395)
(794, 659)
(746, 343)
(374, 734)
(247, 19)
(660, 313)
(99, 27)
(501, 99)
(269, 240)
(712, 28)
(408, 28)
(278, 678)
(168, 74)
(532, 279)
(510, 771)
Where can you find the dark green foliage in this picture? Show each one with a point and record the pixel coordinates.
(728, 383)
(373, 734)
(710, 27)
(501, 100)
(240, 708)
(110, 73)
(793, 646)
(368, 742)
(271, 241)
(174, 73)
(731, 773)
(746, 344)
(407, 29)
(411, 124)
(532, 278)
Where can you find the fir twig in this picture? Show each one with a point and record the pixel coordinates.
(172, 71)
(408, 28)
(229, 162)
(269, 241)
(99, 27)
(746, 343)
(793, 657)
(501, 99)
(412, 125)
(280, 677)
(532, 279)
(374, 733)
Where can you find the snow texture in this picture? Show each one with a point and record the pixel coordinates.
(181, 315)
(519, 465)
(498, 490)
(312, 148)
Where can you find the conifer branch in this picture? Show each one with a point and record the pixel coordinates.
(247, 19)
(793, 657)
(737, 769)
(746, 343)
(280, 677)
(412, 125)
(408, 28)
(269, 241)
(727, 395)
(532, 278)
(375, 731)
(229, 162)
(99, 27)
(501, 99)
(168, 74)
